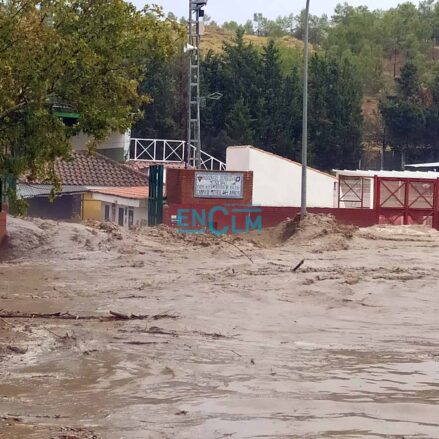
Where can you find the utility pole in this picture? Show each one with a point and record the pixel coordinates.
(305, 116)
(193, 48)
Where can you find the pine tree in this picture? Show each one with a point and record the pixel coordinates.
(241, 64)
(291, 116)
(335, 114)
(408, 82)
(240, 124)
(270, 127)
(405, 116)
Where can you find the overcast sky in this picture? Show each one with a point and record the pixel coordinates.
(242, 10)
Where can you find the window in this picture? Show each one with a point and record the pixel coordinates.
(130, 217)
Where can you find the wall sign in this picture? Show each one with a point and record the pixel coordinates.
(219, 185)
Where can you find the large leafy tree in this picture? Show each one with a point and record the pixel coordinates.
(164, 115)
(86, 55)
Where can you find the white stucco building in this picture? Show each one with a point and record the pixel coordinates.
(116, 147)
(277, 181)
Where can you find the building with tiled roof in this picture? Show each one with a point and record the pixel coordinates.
(92, 187)
(86, 169)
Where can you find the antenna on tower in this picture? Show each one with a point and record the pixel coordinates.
(194, 101)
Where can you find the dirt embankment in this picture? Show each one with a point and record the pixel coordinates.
(317, 233)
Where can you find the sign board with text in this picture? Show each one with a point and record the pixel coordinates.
(219, 185)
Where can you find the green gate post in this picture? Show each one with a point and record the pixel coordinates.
(151, 204)
(155, 200)
(160, 194)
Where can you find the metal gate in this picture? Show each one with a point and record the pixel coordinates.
(155, 200)
(407, 201)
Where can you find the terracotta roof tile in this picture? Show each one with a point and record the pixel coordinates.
(135, 193)
(96, 170)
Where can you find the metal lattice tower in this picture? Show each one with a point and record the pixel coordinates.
(194, 117)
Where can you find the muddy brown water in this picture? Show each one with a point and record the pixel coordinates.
(348, 347)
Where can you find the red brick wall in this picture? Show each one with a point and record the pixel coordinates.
(2, 226)
(221, 219)
(271, 216)
(180, 189)
(180, 195)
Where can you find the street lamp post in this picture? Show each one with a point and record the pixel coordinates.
(305, 116)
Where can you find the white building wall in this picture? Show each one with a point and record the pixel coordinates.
(140, 216)
(277, 181)
(139, 207)
(115, 141)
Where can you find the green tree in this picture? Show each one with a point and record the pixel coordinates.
(335, 113)
(159, 115)
(405, 115)
(356, 35)
(231, 26)
(408, 83)
(270, 126)
(213, 79)
(87, 56)
(241, 63)
(239, 124)
(318, 27)
(235, 74)
(261, 23)
(287, 23)
(432, 123)
(248, 27)
(291, 116)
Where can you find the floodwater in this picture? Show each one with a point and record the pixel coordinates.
(346, 347)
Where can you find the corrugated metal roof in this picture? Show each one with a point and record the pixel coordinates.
(424, 165)
(29, 190)
(429, 175)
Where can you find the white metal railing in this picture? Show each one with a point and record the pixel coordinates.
(170, 151)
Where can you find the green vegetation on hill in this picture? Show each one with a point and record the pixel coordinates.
(214, 38)
(261, 103)
(290, 48)
(357, 55)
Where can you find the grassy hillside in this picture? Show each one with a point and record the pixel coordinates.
(214, 37)
(290, 48)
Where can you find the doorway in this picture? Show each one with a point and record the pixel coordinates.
(121, 216)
